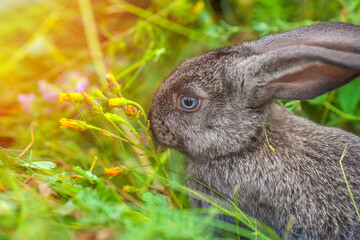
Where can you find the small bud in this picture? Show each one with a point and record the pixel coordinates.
(97, 93)
(128, 189)
(73, 124)
(69, 97)
(117, 102)
(105, 133)
(110, 77)
(114, 86)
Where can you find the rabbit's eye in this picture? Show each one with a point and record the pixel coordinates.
(188, 104)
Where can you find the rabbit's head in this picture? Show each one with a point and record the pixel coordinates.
(198, 108)
(215, 104)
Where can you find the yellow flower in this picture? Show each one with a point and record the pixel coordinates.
(2, 188)
(73, 124)
(69, 97)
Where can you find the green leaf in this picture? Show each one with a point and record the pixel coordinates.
(155, 200)
(87, 174)
(40, 165)
(349, 96)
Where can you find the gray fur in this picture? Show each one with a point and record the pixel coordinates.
(225, 143)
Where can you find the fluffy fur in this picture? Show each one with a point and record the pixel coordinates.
(225, 143)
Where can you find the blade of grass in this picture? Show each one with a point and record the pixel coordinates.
(290, 223)
(157, 19)
(347, 184)
(236, 199)
(32, 125)
(92, 38)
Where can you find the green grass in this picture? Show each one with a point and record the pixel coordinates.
(53, 181)
(347, 184)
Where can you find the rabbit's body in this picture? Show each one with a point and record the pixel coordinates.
(215, 108)
(291, 180)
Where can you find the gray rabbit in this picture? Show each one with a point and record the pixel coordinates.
(214, 108)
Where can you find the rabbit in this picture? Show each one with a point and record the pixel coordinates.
(215, 109)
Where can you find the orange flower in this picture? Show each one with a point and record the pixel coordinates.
(112, 172)
(73, 124)
(2, 188)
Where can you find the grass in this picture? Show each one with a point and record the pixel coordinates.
(101, 175)
(347, 184)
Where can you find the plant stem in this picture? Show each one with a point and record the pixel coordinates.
(341, 113)
(326, 110)
(126, 137)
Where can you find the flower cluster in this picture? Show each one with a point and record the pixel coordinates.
(129, 125)
(99, 104)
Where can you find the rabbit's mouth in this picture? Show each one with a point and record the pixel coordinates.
(161, 133)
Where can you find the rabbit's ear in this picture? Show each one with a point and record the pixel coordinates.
(332, 35)
(298, 73)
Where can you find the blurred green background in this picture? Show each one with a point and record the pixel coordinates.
(53, 46)
(45, 43)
